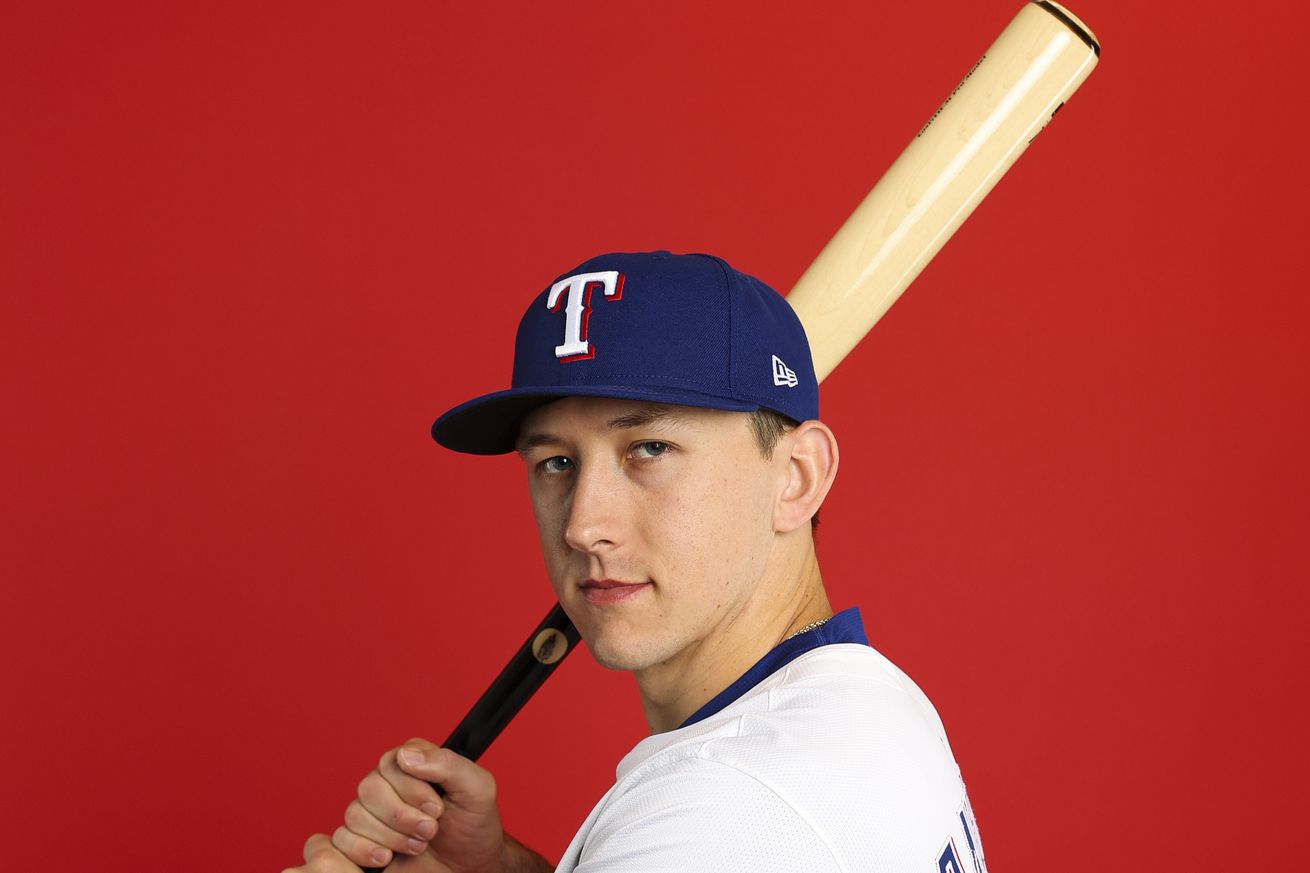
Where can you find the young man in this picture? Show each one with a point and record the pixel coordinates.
(666, 410)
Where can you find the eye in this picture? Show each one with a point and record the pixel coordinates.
(557, 464)
(650, 449)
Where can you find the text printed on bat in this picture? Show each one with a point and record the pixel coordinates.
(929, 122)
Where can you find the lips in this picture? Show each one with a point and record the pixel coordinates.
(611, 590)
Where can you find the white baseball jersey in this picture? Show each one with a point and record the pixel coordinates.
(823, 757)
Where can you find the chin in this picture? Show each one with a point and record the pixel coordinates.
(619, 654)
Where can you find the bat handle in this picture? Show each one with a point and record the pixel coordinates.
(535, 660)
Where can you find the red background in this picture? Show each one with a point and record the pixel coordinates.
(251, 249)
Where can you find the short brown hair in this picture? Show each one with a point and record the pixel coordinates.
(768, 427)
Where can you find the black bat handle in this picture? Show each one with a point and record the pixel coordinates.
(535, 660)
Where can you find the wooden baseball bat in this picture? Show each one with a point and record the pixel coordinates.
(977, 134)
(952, 163)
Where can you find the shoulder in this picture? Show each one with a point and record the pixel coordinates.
(840, 746)
(842, 721)
(846, 693)
(690, 813)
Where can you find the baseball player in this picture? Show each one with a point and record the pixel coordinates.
(666, 410)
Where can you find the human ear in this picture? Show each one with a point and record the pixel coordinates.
(811, 459)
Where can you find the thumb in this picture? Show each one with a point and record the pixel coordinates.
(463, 782)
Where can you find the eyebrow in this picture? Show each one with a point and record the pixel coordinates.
(649, 415)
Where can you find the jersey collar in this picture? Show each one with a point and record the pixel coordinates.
(844, 627)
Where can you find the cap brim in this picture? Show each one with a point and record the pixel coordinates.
(489, 425)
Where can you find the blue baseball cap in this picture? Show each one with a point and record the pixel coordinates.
(677, 329)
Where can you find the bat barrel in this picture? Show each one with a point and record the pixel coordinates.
(1004, 101)
(1071, 21)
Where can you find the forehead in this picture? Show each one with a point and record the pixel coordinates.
(604, 414)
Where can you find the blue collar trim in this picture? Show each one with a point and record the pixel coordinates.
(844, 627)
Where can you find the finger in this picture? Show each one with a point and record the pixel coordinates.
(361, 825)
(415, 789)
(321, 857)
(396, 810)
(361, 851)
(465, 783)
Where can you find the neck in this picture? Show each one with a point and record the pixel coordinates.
(673, 690)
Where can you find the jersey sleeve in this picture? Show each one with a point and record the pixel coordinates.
(699, 814)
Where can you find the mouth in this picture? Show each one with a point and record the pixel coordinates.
(611, 590)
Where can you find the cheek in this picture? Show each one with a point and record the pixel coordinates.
(549, 517)
(718, 523)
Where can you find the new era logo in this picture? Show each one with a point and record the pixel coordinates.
(782, 374)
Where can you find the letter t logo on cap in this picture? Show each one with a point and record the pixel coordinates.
(578, 307)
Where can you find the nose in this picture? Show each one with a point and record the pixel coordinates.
(593, 524)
